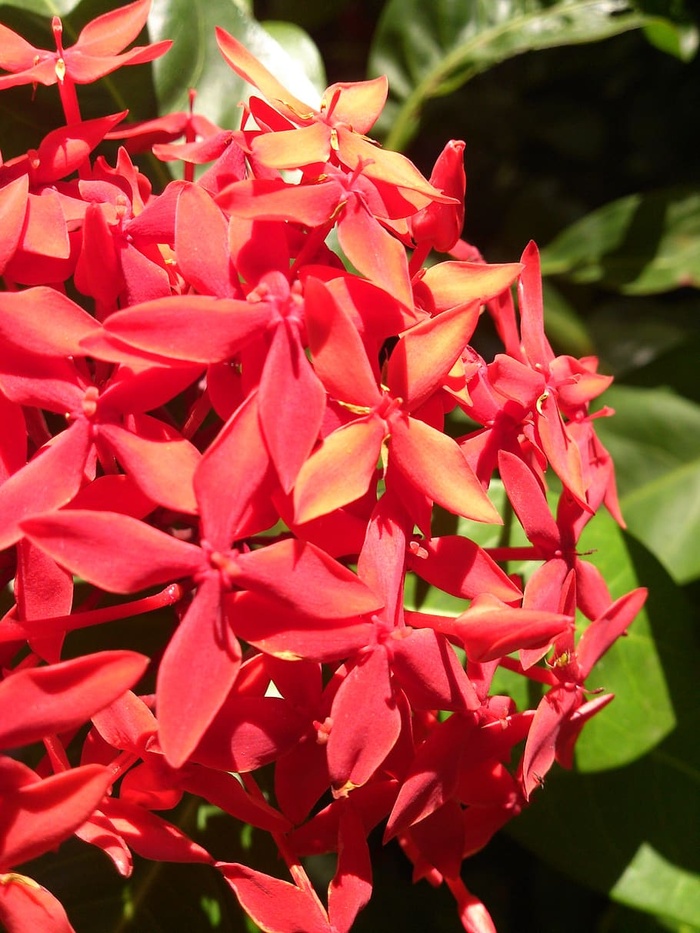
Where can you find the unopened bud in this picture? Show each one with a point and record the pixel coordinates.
(441, 224)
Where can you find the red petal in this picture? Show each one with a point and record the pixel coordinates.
(254, 72)
(158, 459)
(529, 502)
(151, 836)
(456, 283)
(39, 815)
(50, 480)
(292, 403)
(13, 206)
(43, 321)
(26, 906)
(531, 306)
(205, 654)
(490, 629)
(191, 327)
(366, 723)
(107, 549)
(351, 886)
(306, 579)
(426, 666)
(111, 32)
(39, 701)
(275, 905)
(339, 356)
(436, 466)
(460, 567)
(607, 628)
(231, 476)
(423, 357)
(327, 481)
(374, 251)
(201, 244)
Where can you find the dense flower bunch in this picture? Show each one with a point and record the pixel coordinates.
(205, 407)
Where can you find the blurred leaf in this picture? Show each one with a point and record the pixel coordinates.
(654, 440)
(678, 38)
(639, 245)
(619, 919)
(675, 368)
(632, 831)
(565, 329)
(47, 8)
(632, 333)
(300, 47)
(430, 49)
(195, 61)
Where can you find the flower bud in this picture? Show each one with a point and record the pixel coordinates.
(441, 224)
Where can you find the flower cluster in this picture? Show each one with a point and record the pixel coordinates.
(229, 398)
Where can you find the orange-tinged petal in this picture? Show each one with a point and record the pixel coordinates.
(340, 470)
(305, 145)
(358, 104)
(338, 354)
(423, 357)
(434, 464)
(455, 283)
(245, 64)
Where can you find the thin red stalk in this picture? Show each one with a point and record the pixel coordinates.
(296, 869)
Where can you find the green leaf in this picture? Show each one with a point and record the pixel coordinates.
(642, 713)
(654, 440)
(428, 50)
(638, 245)
(565, 329)
(300, 47)
(46, 8)
(632, 832)
(194, 61)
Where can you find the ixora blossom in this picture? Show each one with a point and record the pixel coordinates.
(208, 411)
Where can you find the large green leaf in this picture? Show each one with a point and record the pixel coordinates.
(639, 245)
(634, 669)
(428, 50)
(632, 832)
(195, 61)
(654, 439)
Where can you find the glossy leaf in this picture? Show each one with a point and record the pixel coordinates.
(654, 440)
(428, 50)
(638, 245)
(633, 825)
